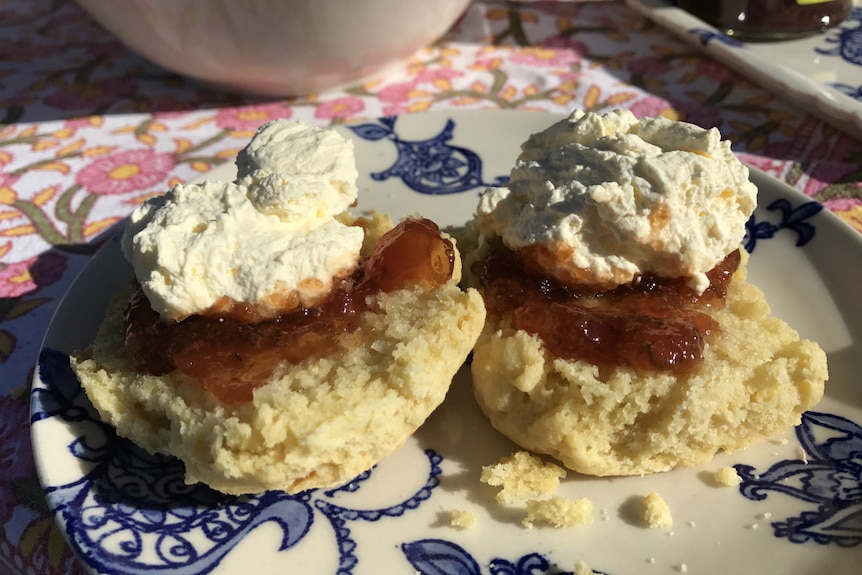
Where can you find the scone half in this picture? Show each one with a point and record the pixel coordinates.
(319, 423)
(756, 378)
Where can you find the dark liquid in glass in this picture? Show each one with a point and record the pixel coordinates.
(768, 19)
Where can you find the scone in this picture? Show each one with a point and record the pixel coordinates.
(622, 336)
(370, 351)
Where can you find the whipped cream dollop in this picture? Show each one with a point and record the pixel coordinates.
(260, 245)
(602, 198)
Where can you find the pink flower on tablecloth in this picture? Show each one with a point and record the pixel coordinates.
(127, 171)
(19, 278)
(250, 118)
(90, 95)
(396, 93)
(715, 70)
(339, 108)
(649, 66)
(578, 49)
(15, 279)
(771, 166)
(394, 110)
(821, 174)
(844, 204)
(649, 106)
(438, 73)
(548, 57)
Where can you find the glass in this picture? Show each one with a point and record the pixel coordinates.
(769, 19)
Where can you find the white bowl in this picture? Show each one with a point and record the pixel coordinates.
(276, 47)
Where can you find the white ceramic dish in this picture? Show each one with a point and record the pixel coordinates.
(126, 512)
(284, 48)
(822, 74)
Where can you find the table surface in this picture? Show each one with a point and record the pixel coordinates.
(90, 129)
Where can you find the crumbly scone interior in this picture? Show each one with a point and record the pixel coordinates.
(756, 379)
(320, 423)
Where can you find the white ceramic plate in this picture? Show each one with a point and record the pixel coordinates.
(821, 74)
(126, 512)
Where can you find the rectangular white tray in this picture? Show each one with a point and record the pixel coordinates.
(822, 73)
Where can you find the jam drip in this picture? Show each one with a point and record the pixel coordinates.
(230, 358)
(650, 324)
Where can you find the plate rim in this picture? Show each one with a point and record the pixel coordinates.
(110, 237)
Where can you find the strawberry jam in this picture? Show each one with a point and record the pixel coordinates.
(650, 324)
(230, 358)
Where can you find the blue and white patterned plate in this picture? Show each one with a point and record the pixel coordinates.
(822, 74)
(798, 509)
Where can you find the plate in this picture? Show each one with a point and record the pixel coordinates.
(799, 508)
(822, 74)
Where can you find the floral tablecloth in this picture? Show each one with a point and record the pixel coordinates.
(89, 130)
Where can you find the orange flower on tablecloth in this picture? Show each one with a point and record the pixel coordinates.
(850, 213)
(487, 64)
(550, 57)
(27, 276)
(343, 108)
(85, 122)
(7, 193)
(15, 279)
(124, 172)
(440, 78)
(245, 120)
(651, 106)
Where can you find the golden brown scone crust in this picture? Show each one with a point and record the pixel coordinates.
(756, 379)
(320, 424)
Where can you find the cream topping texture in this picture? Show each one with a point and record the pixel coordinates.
(266, 242)
(606, 197)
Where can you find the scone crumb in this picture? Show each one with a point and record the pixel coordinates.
(581, 568)
(656, 511)
(727, 477)
(522, 475)
(558, 512)
(463, 519)
(683, 568)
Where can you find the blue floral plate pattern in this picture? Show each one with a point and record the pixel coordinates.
(797, 510)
